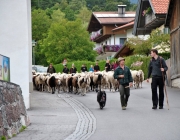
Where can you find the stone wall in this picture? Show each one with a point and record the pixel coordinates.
(13, 114)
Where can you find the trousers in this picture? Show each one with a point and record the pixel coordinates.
(124, 94)
(157, 82)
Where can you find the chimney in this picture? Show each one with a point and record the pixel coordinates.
(121, 9)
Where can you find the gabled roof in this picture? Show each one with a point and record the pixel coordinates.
(109, 18)
(126, 26)
(113, 17)
(159, 6)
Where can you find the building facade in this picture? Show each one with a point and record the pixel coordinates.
(173, 22)
(16, 42)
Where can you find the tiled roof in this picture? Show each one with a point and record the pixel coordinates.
(160, 6)
(124, 26)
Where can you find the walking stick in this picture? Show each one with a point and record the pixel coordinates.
(165, 87)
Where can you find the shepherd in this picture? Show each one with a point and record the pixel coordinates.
(123, 75)
(157, 68)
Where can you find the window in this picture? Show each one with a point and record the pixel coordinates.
(166, 31)
(122, 41)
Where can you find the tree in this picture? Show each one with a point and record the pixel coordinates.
(67, 39)
(96, 8)
(69, 14)
(57, 16)
(157, 39)
(76, 5)
(63, 5)
(111, 6)
(139, 45)
(40, 24)
(84, 15)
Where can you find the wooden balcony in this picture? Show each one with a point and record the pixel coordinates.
(149, 18)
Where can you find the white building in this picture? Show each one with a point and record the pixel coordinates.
(16, 42)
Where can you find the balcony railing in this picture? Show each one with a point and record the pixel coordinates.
(96, 34)
(149, 17)
(108, 48)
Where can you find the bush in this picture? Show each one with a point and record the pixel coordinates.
(22, 128)
(165, 55)
(3, 138)
(144, 67)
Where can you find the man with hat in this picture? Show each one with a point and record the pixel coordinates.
(123, 75)
(51, 69)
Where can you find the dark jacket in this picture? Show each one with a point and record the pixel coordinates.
(66, 70)
(108, 67)
(96, 68)
(154, 68)
(51, 70)
(127, 75)
(73, 70)
(83, 69)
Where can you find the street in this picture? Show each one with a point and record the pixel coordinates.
(75, 117)
(139, 121)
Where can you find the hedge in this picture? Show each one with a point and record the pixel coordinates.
(143, 67)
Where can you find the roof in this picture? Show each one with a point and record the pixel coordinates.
(126, 26)
(98, 19)
(124, 51)
(160, 6)
(114, 17)
(114, 20)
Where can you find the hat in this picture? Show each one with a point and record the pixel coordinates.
(121, 58)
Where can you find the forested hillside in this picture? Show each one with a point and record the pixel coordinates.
(60, 28)
(94, 5)
(134, 1)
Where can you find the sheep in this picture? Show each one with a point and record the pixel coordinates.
(82, 83)
(52, 83)
(141, 77)
(112, 83)
(75, 84)
(135, 75)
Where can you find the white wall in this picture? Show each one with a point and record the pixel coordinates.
(15, 41)
(117, 39)
(130, 35)
(112, 41)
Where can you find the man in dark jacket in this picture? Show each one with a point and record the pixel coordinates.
(96, 67)
(107, 66)
(51, 69)
(157, 68)
(65, 70)
(123, 75)
(83, 68)
(73, 69)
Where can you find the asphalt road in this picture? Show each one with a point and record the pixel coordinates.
(139, 121)
(75, 117)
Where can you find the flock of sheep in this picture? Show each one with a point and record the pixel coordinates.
(81, 82)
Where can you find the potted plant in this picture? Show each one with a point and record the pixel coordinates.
(147, 11)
